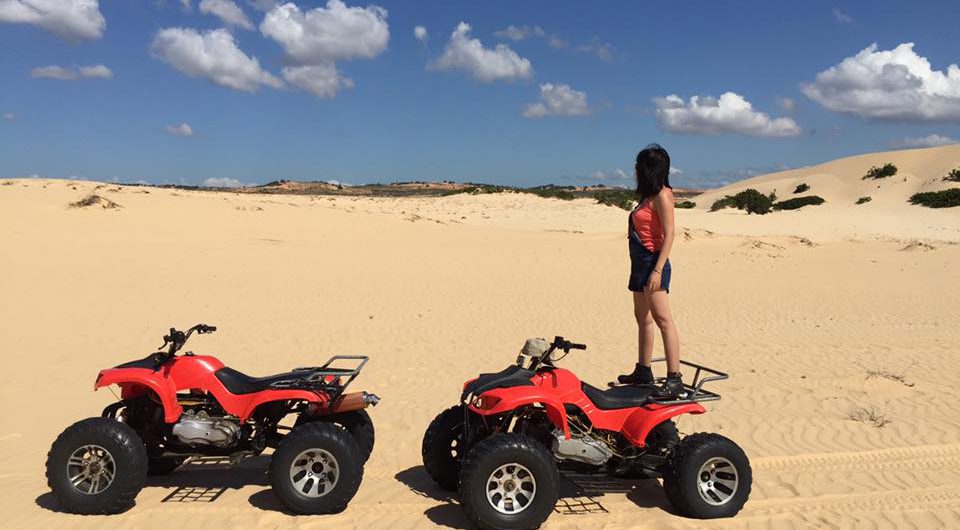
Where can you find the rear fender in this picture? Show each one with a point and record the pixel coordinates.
(246, 409)
(639, 424)
(134, 382)
(504, 400)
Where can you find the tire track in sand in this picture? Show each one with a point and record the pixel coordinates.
(947, 496)
(918, 457)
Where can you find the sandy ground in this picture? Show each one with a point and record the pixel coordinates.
(799, 307)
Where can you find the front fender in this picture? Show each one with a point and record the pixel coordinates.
(134, 382)
(639, 424)
(504, 400)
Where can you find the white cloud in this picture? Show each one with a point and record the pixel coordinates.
(603, 50)
(314, 40)
(183, 129)
(621, 175)
(227, 11)
(841, 16)
(484, 64)
(9, 116)
(789, 105)
(321, 80)
(558, 100)
(327, 34)
(893, 84)
(263, 5)
(420, 33)
(223, 182)
(98, 71)
(932, 140)
(186, 5)
(519, 33)
(73, 20)
(71, 74)
(731, 113)
(213, 55)
(54, 72)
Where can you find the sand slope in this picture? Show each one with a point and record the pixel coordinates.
(841, 183)
(436, 290)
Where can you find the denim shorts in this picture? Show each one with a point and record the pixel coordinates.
(642, 262)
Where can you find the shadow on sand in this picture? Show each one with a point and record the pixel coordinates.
(579, 495)
(203, 481)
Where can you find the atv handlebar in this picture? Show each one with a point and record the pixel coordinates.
(559, 343)
(176, 339)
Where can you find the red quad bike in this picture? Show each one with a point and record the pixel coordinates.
(504, 444)
(172, 408)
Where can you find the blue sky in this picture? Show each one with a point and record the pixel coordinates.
(567, 96)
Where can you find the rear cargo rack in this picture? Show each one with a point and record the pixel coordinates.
(695, 390)
(316, 378)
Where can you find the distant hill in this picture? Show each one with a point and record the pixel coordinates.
(841, 182)
(421, 189)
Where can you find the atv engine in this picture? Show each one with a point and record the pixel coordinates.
(581, 448)
(200, 429)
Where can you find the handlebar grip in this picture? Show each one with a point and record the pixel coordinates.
(575, 346)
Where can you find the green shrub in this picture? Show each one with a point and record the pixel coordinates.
(620, 198)
(864, 200)
(685, 205)
(882, 172)
(750, 200)
(953, 175)
(798, 202)
(802, 187)
(719, 204)
(554, 194)
(937, 199)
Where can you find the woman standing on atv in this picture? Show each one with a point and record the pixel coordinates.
(650, 229)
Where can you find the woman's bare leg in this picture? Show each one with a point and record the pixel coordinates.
(659, 304)
(641, 310)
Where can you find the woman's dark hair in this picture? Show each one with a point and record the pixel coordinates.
(653, 171)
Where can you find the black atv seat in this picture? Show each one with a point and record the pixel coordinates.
(240, 383)
(618, 397)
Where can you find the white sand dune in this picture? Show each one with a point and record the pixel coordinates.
(800, 307)
(841, 183)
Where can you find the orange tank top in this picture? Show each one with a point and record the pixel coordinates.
(647, 224)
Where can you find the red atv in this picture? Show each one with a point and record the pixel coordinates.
(502, 446)
(172, 408)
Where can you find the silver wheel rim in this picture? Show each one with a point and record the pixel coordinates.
(314, 473)
(91, 469)
(511, 488)
(717, 481)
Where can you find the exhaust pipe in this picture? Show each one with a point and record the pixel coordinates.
(350, 402)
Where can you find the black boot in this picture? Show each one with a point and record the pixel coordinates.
(672, 388)
(641, 375)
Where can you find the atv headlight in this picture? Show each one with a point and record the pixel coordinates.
(485, 402)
